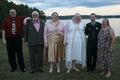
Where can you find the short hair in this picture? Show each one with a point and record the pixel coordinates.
(55, 13)
(93, 14)
(12, 10)
(35, 12)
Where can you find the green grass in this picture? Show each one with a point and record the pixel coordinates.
(5, 73)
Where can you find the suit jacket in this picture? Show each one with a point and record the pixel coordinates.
(32, 36)
(92, 32)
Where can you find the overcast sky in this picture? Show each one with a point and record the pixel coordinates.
(70, 7)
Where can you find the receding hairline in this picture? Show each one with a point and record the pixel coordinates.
(12, 10)
(35, 12)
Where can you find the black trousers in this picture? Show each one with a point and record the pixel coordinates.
(36, 56)
(91, 58)
(14, 50)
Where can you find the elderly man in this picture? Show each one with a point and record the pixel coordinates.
(12, 29)
(34, 30)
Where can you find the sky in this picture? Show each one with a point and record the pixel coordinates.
(70, 7)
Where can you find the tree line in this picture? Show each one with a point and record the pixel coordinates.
(21, 9)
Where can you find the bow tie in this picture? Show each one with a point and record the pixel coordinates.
(35, 21)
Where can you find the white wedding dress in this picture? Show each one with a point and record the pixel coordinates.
(76, 44)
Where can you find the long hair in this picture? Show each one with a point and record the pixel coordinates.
(76, 14)
(108, 24)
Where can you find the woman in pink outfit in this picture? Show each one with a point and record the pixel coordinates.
(54, 38)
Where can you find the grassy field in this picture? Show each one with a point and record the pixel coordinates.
(5, 73)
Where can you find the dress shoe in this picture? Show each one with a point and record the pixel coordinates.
(12, 70)
(93, 71)
(23, 70)
(39, 70)
(87, 71)
(33, 71)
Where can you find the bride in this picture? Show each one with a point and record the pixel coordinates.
(75, 42)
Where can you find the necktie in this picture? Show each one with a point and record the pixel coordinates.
(93, 24)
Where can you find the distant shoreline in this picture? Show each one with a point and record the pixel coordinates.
(85, 17)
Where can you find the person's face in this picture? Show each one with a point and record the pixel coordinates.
(104, 23)
(92, 17)
(77, 19)
(55, 17)
(12, 13)
(35, 16)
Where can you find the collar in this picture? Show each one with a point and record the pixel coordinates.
(36, 21)
(104, 29)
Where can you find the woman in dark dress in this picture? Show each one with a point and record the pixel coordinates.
(106, 40)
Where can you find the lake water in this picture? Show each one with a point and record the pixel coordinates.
(114, 23)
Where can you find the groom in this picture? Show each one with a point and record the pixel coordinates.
(92, 30)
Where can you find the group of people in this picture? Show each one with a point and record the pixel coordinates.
(75, 42)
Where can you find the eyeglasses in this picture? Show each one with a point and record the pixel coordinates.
(55, 15)
(12, 12)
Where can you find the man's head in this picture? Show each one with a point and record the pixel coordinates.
(92, 17)
(12, 12)
(35, 15)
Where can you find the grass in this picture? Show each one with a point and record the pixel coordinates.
(5, 73)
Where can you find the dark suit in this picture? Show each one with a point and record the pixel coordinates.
(92, 32)
(35, 44)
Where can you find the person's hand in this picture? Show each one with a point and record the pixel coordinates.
(46, 44)
(65, 43)
(111, 47)
(25, 20)
(26, 43)
(28, 18)
(4, 42)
